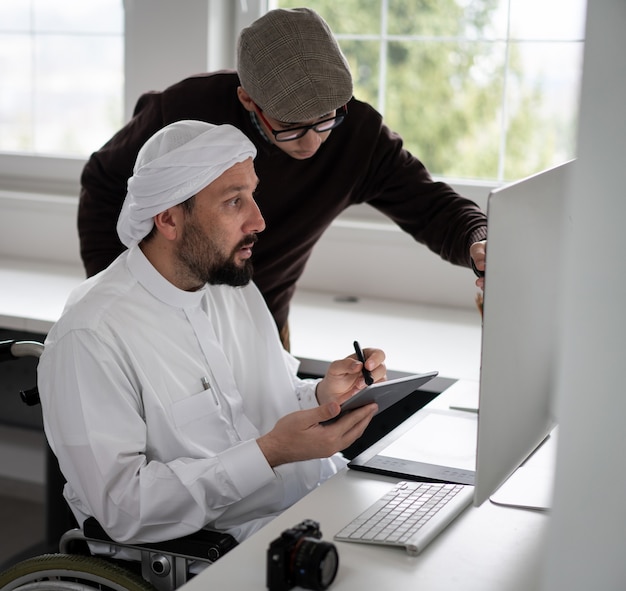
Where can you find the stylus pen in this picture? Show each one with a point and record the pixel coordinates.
(367, 376)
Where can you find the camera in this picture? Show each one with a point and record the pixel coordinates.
(300, 557)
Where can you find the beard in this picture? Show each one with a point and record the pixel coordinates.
(204, 260)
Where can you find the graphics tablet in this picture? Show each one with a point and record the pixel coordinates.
(385, 394)
(432, 445)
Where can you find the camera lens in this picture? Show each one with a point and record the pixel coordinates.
(315, 563)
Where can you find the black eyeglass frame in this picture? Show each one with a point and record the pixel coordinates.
(301, 131)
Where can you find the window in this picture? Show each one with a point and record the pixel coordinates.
(481, 90)
(62, 66)
(478, 89)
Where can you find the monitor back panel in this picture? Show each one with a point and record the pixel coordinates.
(521, 300)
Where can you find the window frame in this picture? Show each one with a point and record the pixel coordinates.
(209, 25)
(60, 175)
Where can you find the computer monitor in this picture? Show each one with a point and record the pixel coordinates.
(526, 226)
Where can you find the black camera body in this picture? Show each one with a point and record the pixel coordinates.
(299, 557)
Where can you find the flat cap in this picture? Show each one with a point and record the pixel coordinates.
(292, 67)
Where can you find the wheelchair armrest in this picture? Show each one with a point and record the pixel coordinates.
(203, 544)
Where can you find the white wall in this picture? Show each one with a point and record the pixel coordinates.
(587, 538)
(164, 44)
(157, 48)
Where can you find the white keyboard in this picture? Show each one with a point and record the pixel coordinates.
(410, 515)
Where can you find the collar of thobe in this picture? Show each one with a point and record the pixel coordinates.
(157, 285)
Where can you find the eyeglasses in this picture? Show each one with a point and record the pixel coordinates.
(295, 133)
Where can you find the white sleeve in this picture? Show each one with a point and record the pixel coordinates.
(305, 391)
(304, 388)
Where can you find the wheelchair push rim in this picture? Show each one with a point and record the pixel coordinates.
(69, 572)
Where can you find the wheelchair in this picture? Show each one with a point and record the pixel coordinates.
(163, 566)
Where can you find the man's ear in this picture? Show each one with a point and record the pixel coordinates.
(245, 99)
(168, 222)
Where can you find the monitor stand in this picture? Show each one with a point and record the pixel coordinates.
(530, 486)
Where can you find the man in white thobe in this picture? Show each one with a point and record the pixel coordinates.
(167, 396)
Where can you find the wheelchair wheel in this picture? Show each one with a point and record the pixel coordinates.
(70, 572)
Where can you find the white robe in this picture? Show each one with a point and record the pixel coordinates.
(144, 446)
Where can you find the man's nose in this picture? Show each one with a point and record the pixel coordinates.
(310, 140)
(256, 222)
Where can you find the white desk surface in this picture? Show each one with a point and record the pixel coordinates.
(489, 548)
(33, 294)
(415, 338)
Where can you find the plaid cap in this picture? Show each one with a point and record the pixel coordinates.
(292, 67)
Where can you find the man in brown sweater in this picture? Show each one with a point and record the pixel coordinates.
(320, 150)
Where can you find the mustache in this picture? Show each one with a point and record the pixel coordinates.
(248, 240)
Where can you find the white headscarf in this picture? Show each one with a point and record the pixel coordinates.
(175, 163)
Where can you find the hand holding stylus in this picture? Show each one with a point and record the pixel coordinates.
(345, 377)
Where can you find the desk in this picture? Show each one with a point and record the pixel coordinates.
(489, 548)
(486, 548)
(33, 294)
(416, 338)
